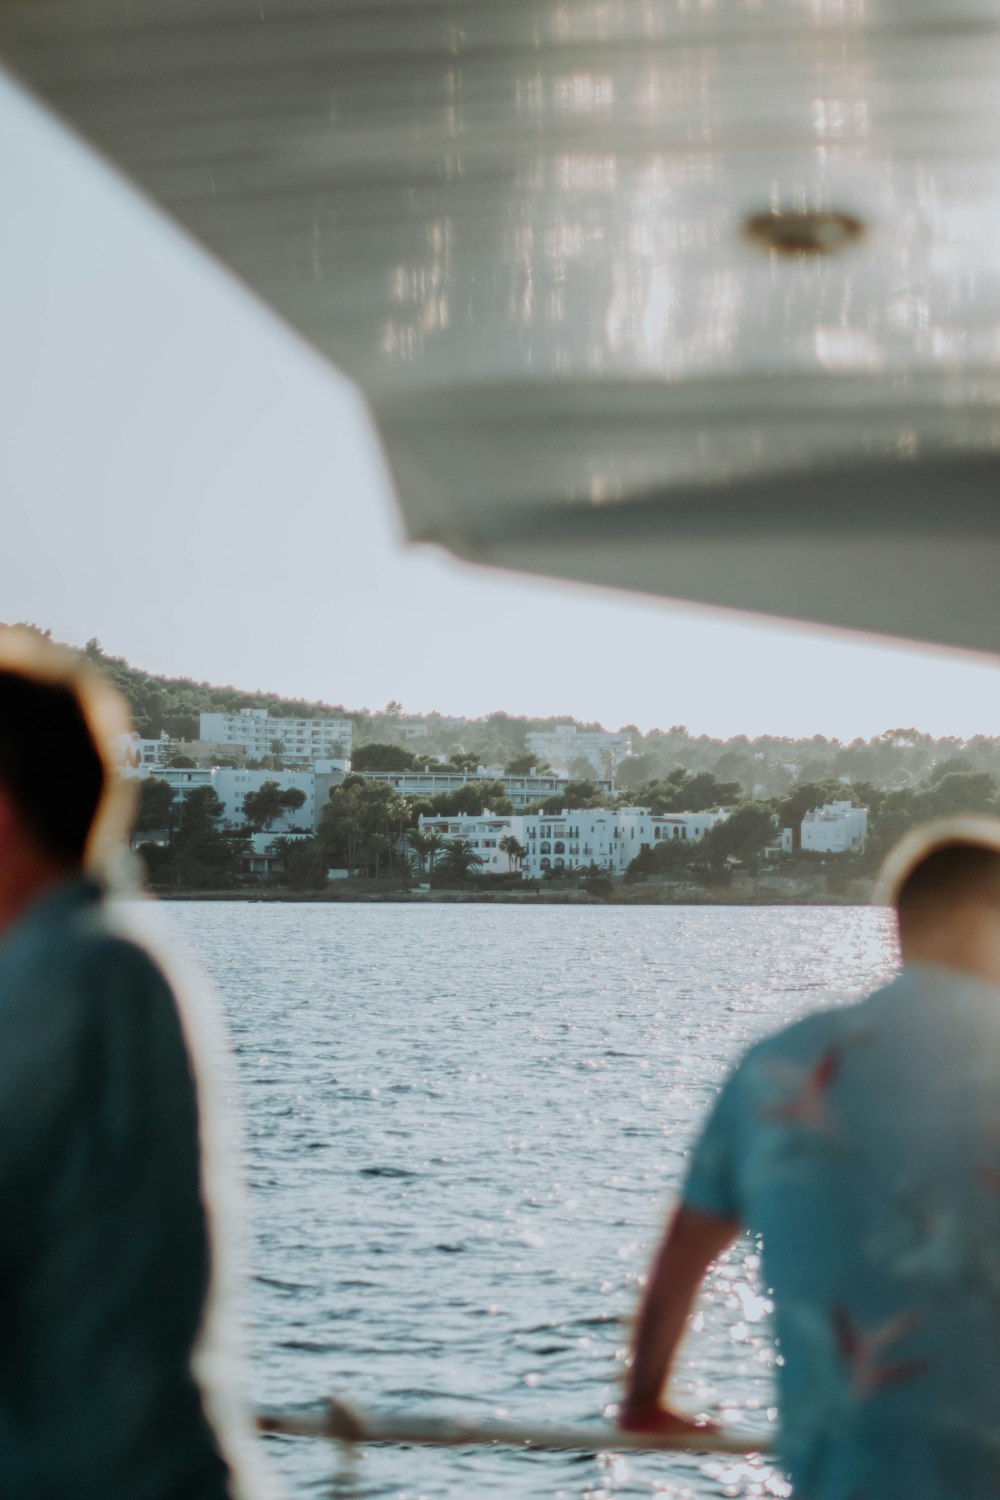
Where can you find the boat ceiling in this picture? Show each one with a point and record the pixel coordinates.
(574, 254)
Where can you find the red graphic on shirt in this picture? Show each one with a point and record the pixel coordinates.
(807, 1103)
(861, 1352)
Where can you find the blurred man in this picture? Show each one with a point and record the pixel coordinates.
(863, 1143)
(106, 1255)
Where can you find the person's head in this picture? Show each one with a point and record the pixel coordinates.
(943, 881)
(61, 802)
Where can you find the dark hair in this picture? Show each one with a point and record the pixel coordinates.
(49, 762)
(949, 875)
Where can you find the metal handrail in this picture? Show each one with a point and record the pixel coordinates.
(339, 1422)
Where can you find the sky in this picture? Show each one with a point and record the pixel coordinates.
(183, 478)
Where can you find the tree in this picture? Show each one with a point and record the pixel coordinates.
(416, 838)
(524, 764)
(514, 850)
(434, 842)
(277, 748)
(458, 860)
(361, 825)
(181, 763)
(376, 757)
(584, 793)
(580, 768)
(472, 798)
(304, 867)
(458, 762)
(703, 790)
(743, 835)
(201, 855)
(952, 765)
(669, 858)
(802, 799)
(635, 769)
(156, 805)
(269, 802)
(960, 792)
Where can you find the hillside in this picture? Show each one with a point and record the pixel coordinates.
(767, 766)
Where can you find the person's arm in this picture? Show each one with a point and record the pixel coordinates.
(692, 1241)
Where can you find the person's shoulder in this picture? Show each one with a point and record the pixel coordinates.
(803, 1038)
(94, 950)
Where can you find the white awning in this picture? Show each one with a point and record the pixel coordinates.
(522, 227)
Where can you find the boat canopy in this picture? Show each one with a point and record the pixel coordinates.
(693, 297)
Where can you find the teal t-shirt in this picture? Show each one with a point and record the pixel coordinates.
(104, 1247)
(863, 1144)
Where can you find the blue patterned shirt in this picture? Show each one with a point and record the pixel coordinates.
(863, 1144)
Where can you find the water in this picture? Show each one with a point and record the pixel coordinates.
(464, 1126)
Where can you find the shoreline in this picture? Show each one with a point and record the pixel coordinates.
(743, 894)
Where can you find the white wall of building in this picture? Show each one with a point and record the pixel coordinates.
(304, 740)
(641, 829)
(836, 828)
(566, 743)
(574, 839)
(131, 750)
(483, 831)
(570, 840)
(231, 787)
(523, 791)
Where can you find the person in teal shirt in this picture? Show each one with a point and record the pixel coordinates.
(863, 1145)
(107, 1247)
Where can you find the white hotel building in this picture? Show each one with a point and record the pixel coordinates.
(302, 740)
(566, 743)
(573, 839)
(231, 787)
(836, 828)
(523, 791)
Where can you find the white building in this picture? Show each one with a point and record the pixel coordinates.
(231, 787)
(523, 791)
(484, 832)
(574, 839)
(641, 829)
(836, 828)
(302, 740)
(566, 744)
(133, 751)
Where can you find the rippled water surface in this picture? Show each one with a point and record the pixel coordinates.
(464, 1125)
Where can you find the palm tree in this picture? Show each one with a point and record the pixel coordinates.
(434, 842)
(418, 841)
(514, 851)
(458, 860)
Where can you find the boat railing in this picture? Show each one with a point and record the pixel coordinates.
(340, 1422)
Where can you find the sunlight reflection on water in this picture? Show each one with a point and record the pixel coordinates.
(463, 1126)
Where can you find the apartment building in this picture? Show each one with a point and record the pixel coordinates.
(231, 787)
(574, 839)
(836, 828)
(523, 791)
(566, 743)
(302, 740)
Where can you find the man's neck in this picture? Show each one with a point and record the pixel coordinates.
(969, 948)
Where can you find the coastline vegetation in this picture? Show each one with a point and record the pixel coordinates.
(902, 777)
